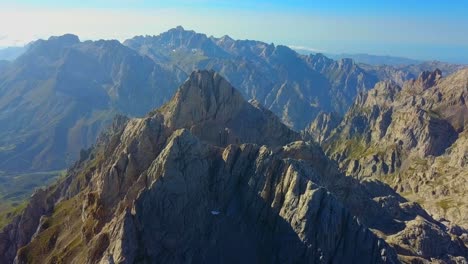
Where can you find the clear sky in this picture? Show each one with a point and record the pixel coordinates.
(421, 29)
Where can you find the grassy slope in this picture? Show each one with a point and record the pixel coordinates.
(15, 189)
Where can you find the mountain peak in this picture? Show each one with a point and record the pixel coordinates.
(345, 63)
(226, 38)
(209, 85)
(319, 59)
(212, 90)
(202, 74)
(202, 79)
(201, 97)
(67, 39)
(51, 48)
(56, 42)
(216, 112)
(319, 55)
(428, 79)
(180, 30)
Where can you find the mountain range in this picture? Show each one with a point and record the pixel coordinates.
(210, 177)
(275, 76)
(61, 93)
(307, 159)
(376, 59)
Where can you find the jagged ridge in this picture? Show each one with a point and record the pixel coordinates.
(414, 138)
(152, 190)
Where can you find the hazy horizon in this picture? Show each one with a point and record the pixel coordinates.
(299, 49)
(422, 31)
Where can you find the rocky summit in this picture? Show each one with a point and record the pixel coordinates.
(212, 178)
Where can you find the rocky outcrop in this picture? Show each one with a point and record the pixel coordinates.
(425, 239)
(321, 128)
(412, 137)
(427, 79)
(154, 189)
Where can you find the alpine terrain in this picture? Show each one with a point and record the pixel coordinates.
(209, 178)
(413, 137)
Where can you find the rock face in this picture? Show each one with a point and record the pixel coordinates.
(321, 128)
(228, 208)
(347, 79)
(413, 137)
(159, 189)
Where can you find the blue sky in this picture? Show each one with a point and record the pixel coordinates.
(417, 29)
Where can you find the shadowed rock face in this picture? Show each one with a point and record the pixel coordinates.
(321, 128)
(157, 189)
(412, 137)
(428, 79)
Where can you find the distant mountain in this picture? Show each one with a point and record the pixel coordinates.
(211, 178)
(346, 79)
(376, 59)
(277, 77)
(445, 68)
(295, 87)
(58, 96)
(413, 137)
(11, 53)
(403, 73)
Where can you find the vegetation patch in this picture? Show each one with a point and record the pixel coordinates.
(61, 238)
(9, 210)
(445, 204)
(15, 189)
